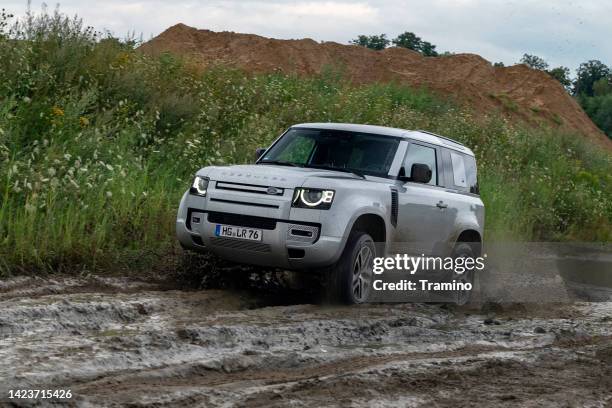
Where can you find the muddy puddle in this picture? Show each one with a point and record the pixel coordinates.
(120, 341)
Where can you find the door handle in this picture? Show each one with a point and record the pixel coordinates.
(441, 205)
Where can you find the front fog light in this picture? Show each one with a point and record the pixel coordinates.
(313, 198)
(199, 186)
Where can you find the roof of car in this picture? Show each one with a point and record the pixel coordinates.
(420, 135)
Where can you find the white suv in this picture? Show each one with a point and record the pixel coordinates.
(333, 196)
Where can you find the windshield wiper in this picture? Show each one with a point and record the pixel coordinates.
(278, 162)
(342, 169)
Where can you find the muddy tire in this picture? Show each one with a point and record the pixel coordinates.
(350, 280)
(464, 250)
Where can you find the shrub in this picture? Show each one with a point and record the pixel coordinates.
(98, 142)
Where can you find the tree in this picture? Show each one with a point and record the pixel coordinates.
(587, 74)
(374, 42)
(499, 64)
(413, 42)
(599, 109)
(428, 49)
(561, 74)
(408, 40)
(535, 62)
(602, 86)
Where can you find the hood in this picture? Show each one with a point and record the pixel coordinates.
(270, 175)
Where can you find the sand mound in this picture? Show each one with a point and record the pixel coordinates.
(518, 92)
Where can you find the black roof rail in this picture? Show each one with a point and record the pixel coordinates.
(441, 137)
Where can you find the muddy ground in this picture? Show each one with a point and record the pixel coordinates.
(123, 341)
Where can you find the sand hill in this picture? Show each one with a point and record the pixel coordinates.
(518, 92)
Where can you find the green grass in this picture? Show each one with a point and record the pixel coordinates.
(98, 142)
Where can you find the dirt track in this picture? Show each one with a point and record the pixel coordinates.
(116, 341)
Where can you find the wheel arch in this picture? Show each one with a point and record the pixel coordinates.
(372, 224)
(472, 237)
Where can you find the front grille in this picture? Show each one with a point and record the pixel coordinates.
(241, 220)
(249, 188)
(220, 200)
(240, 245)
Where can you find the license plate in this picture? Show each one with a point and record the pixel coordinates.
(230, 231)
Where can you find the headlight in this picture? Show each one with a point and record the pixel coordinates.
(313, 198)
(199, 186)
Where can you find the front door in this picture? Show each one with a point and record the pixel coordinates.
(422, 208)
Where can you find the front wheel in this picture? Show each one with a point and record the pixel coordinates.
(351, 278)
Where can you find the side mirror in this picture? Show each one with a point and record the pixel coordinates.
(421, 173)
(259, 151)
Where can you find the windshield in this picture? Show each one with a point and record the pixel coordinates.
(362, 153)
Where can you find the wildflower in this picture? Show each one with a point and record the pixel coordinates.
(57, 111)
(109, 194)
(30, 208)
(83, 121)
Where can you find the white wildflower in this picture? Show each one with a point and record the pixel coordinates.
(30, 208)
(109, 194)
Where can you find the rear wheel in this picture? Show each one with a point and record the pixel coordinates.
(464, 250)
(351, 278)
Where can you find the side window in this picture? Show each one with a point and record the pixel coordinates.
(472, 178)
(459, 175)
(424, 155)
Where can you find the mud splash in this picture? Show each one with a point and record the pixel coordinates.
(118, 341)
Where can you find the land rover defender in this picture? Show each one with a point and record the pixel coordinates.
(332, 196)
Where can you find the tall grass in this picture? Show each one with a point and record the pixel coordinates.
(98, 142)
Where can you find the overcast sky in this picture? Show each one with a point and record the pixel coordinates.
(562, 32)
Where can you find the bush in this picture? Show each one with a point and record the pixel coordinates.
(98, 142)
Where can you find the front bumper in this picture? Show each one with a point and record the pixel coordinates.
(288, 243)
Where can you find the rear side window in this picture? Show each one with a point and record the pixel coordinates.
(459, 175)
(423, 155)
(464, 175)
